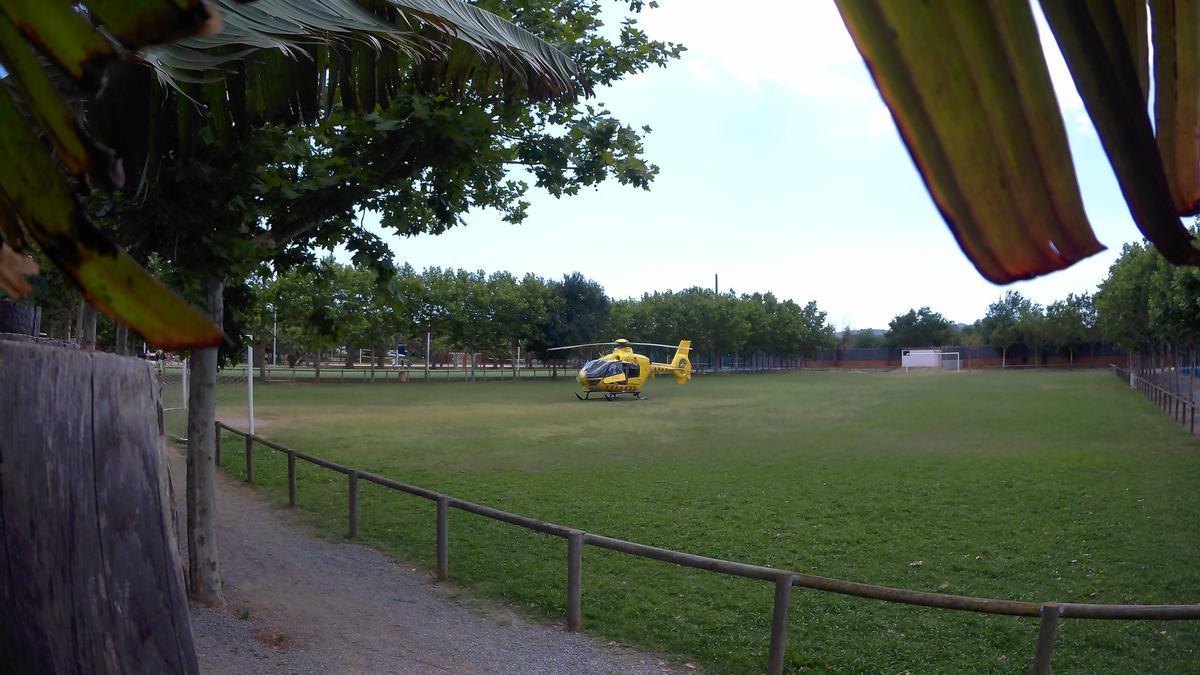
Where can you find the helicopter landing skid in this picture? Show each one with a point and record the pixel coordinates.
(609, 396)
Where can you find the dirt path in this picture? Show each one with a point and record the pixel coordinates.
(300, 604)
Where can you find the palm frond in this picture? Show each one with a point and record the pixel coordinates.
(451, 43)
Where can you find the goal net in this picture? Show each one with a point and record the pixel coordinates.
(930, 358)
(950, 361)
(233, 387)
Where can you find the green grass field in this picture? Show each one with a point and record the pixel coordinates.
(1026, 486)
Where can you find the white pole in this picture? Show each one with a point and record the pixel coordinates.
(274, 337)
(426, 356)
(250, 387)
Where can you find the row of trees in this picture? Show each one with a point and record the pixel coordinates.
(1012, 323)
(306, 311)
(1146, 304)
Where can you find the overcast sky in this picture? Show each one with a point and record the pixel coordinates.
(781, 170)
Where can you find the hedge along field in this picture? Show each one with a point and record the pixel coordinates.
(1031, 486)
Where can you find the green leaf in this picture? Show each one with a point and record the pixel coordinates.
(1094, 45)
(109, 278)
(44, 103)
(64, 35)
(1177, 98)
(970, 92)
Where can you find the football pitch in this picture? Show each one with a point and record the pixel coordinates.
(1031, 486)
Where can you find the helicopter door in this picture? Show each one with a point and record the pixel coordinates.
(632, 370)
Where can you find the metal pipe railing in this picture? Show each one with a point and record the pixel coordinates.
(1049, 613)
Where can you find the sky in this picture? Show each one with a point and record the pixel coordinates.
(781, 171)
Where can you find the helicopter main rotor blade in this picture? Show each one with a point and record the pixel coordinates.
(655, 344)
(590, 344)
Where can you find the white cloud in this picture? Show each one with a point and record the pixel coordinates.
(802, 46)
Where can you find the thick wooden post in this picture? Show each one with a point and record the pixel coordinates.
(1046, 634)
(779, 624)
(574, 580)
(92, 582)
(249, 459)
(291, 479)
(443, 537)
(353, 477)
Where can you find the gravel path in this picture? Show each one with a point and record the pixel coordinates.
(300, 604)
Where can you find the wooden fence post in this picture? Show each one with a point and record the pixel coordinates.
(779, 624)
(443, 537)
(217, 443)
(291, 479)
(353, 476)
(249, 458)
(574, 580)
(1046, 634)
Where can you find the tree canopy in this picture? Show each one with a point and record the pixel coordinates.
(919, 328)
(496, 313)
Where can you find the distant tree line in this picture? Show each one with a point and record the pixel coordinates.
(308, 312)
(1012, 325)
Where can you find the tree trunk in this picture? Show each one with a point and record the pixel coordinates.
(119, 342)
(204, 570)
(1003, 358)
(317, 364)
(261, 357)
(87, 327)
(92, 582)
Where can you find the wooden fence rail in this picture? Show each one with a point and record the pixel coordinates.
(1180, 408)
(1049, 613)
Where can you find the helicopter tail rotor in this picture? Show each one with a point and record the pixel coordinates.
(680, 364)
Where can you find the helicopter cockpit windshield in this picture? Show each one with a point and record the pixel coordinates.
(600, 369)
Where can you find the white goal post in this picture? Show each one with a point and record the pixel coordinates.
(950, 361)
(930, 358)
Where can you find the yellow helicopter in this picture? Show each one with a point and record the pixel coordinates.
(624, 372)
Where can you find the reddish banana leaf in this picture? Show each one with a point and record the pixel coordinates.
(971, 95)
(1177, 97)
(1094, 44)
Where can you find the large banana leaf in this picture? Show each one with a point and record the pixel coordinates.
(1103, 66)
(981, 123)
(968, 87)
(286, 58)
